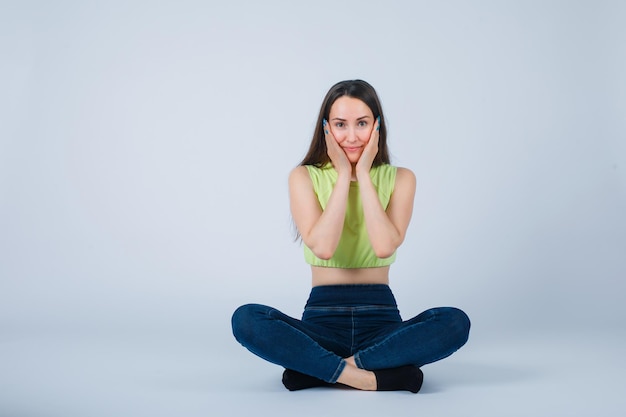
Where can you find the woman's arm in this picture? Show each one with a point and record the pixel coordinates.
(387, 229)
(320, 229)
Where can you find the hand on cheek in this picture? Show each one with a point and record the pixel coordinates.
(370, 151)
(335, 152)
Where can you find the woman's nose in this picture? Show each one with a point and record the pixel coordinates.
(351, 135)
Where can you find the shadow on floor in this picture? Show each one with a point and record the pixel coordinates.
(438, 377)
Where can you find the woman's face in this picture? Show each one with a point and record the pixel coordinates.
(351, 122)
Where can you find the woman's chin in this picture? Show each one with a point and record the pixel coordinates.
(354, 159)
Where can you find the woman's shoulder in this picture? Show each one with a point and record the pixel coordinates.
(405, 178)
(299, 174)
(405, 173)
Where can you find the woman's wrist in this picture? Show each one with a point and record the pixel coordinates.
(344, 176)
(363, 175)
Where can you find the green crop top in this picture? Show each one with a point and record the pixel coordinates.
(354, 249)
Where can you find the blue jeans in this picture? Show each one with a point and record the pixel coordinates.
(340, 321)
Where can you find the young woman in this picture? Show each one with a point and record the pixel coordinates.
(351, 209)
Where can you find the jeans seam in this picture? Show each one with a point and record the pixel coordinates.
(338, 371)
(352, 333)
(357, 360)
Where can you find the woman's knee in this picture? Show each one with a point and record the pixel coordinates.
(244, 319)
(460, 323)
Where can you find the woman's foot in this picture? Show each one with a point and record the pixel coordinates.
(403, 378)
(294, 381)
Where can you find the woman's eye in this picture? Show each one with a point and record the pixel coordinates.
(362, 123)
(339, 124)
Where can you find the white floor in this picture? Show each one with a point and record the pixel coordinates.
(186, 372)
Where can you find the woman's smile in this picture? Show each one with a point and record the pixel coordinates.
(351, 123)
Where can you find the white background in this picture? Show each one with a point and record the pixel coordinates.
(144, 152)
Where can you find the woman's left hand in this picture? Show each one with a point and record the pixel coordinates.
(369, 153)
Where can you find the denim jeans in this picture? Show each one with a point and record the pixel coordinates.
(340, 321)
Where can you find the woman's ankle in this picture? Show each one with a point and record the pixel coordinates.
(357, 378)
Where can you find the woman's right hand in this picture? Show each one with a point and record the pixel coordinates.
(336, 153)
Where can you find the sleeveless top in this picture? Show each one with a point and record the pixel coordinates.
(354, 249)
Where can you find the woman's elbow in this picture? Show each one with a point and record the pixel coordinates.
(386, 249)
(323, 253)
(383, 253)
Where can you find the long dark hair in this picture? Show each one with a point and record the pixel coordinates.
(317, 154)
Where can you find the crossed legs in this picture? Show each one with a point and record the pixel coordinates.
(303, 349)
